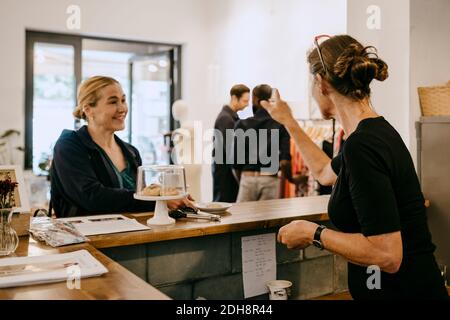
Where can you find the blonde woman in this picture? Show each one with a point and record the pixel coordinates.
(93, 171)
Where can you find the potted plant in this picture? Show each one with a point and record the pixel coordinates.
(8, 236)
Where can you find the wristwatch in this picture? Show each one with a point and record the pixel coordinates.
(316, 240)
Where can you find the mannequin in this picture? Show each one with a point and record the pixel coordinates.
(184, 147)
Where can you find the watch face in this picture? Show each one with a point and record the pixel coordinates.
(318, 244)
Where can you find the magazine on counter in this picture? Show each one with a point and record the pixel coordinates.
(105, 224)
(24, 271)
(54, 232)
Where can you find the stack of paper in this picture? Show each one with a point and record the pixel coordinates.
(105, 224)
(70, 266)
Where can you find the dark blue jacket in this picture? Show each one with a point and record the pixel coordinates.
(225, 185)
(83, 183)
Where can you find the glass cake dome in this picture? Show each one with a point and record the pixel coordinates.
(156, 181)
(160, 184)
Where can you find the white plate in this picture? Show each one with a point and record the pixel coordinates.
(157, 198)
(214, 207)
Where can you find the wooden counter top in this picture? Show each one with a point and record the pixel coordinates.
(118, 283)
(241, 217)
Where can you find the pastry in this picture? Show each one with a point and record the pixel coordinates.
(153, 190)
(170, 191)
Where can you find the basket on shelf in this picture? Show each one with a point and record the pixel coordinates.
(435, 101)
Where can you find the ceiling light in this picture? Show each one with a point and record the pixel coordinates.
(163, 63)
(152, 68)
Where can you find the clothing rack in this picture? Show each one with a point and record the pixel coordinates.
(319, 130)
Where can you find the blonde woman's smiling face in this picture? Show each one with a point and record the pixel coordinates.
(111, 109)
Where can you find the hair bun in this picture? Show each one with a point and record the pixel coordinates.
(344, 63)
(358, 66)
(382, 72)
(347, 65)
(78, 113)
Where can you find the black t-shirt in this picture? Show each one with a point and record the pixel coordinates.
(259, 155)
(377, 192)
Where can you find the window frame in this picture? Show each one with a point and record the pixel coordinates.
(33, 36)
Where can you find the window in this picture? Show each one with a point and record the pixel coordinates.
(56, 64)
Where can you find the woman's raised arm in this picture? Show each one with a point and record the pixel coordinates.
(316, 160)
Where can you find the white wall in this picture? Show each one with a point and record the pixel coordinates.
(430, 49)
(224, 42)
(249, 41)
(391, 97)
(171, 21)
(265, 41)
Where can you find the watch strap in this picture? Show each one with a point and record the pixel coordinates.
(317, 242)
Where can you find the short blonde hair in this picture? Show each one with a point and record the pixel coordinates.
(88, 93)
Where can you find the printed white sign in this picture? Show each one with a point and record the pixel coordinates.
(259, 263)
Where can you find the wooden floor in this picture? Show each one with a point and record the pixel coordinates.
(338, 296)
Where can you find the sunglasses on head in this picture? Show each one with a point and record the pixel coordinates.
(316, 43)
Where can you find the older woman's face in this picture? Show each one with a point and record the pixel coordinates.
(111, 110)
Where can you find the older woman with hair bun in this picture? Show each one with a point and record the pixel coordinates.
(376, 203)
(93, 171)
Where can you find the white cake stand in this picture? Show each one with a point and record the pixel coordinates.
(161, 216)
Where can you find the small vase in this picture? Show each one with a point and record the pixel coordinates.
(8, 236)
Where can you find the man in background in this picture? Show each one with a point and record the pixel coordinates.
(259, 178)
(225, 185)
